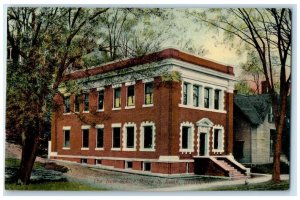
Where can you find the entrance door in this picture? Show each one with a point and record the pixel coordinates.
(202, 150)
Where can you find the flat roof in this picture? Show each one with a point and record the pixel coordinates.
(149, 58)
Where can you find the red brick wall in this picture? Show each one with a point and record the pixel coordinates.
(137, 165)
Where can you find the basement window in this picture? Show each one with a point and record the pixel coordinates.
(128, 164)
(147, 166)
(98, 162)
(83, 161)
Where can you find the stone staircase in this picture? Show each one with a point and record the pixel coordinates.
(234, 174)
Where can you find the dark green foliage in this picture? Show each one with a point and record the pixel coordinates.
(267, 168)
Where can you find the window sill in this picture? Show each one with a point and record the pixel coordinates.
(67, 113)
(147, 105)
(129, 149)
(129, 107)
(99, 149)
(86, 112)
(102, 110)
(149, 150)
(186, 151)
(218, 151)
(84, 148)
(115, 149)
(66, 148)
(116, 109)
(202, 108)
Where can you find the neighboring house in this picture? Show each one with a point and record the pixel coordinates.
(127, 119)
(254, 129)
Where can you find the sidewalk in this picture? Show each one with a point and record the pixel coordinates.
(193, 187)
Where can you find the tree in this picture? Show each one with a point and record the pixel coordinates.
(48, 41)
(268, 33)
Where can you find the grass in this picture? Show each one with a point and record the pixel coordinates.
(267, 186)
(54, 186)
(46, 186)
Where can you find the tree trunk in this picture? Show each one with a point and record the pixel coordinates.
(29, 151)
(278, 143)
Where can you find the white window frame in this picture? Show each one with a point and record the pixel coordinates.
(142, 136)
(116, 125)
(98, 90)
(144, 83)
(124, 138)
(66, 128)
(190, 148)
(99, 126)
(114, 90)
(85, 127)
(127, 85)
(221, 139)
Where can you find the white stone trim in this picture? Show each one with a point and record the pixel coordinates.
(190, 148)
(99, 126)
(85, 148)
(122, 158)
(100, 88)
(85, 126)
(66, 128)
(66, 148)
(142, 135)
(168, 158)
(204, 109)
(116, 125)
(221, 140)
(124, 136)
(129, 83)
(147, 105)
(119, 85)
(148, 80)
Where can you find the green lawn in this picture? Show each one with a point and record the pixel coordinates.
(58, 186)
(283, 185)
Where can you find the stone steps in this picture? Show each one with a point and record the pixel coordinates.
(233, 172)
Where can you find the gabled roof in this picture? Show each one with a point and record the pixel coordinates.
(152, 57)
(254, 107)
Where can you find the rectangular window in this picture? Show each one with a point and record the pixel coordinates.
(147, 166)
(217, 99)
(130, 95)
(100, 100)
(130, 137)
(148, 137)
(67, 104)
(185, 137)
(67, 138)
(218, 139)
(206, 97)
(148, 93)
(270, 115)
(116, 137)
(117, 97)
(129, 164)
(76, 103)
(196, 95)
(83, 160)
(86, 102)
(100, 135)
(185, 93)
(85, 138)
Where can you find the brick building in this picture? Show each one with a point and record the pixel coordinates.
(131, 115)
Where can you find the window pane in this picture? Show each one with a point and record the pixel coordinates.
(67, 138)
(117, 98)
(196, 95)
(130, 95)
(148, 135)
(100, 132)
(185, 137)
(100, 99)
(86, 102)
(149, 93)
(67, 104)
(85, 138)
(76, 102)
(116, 137)
(216, 139)
(206, 97)
(130, 137)
(217, 99)
(185, 88)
